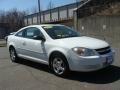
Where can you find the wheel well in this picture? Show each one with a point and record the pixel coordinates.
(11, 46)
(59, 53)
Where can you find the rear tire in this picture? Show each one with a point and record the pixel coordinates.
(13, 54)
(59, 65)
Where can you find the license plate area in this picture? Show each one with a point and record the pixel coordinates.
(108, 60)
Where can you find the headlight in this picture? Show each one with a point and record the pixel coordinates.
(84, 51)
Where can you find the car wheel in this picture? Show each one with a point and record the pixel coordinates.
(13, 55)
(59, 65)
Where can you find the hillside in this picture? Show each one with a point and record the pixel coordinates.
(99, 7)
(113, 9)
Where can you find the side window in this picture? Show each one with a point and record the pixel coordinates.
(20, 34)
(31, 32)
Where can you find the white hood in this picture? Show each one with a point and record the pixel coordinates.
(83, 41)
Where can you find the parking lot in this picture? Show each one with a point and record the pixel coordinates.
(27, 75)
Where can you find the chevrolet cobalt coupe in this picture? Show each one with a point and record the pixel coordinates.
(60, 47)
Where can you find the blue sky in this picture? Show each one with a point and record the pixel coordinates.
(29, 4)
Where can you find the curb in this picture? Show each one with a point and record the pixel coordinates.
(2, 45)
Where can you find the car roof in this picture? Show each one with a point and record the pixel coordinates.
(44, 25)
(39, 26)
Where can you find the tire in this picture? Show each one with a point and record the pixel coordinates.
(59, 65)
(13, 54)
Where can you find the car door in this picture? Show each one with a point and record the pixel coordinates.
(34, 49)
(18, 40)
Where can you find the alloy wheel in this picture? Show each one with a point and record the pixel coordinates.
(59, 66)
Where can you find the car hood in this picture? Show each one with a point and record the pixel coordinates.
(83, 41)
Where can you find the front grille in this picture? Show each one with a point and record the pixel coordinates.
(103, 51)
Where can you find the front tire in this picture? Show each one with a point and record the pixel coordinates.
(13, 55)
(59, 65)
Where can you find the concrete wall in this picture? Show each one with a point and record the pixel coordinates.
(25, 21)
(47, 17)
(35, 19)
(54, 16)
(29, 21)
(103, 27)
(63, 14)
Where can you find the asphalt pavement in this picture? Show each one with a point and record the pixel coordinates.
(27, 75)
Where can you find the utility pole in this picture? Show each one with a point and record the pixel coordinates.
(77, 4)
(50, 11)
(39, 7)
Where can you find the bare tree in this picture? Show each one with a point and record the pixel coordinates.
(34, 10)
(13, 19)
(2, 16)
(27, 12)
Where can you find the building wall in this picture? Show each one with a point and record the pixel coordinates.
(30, 21)
(71, 12)
(35, 19)
(63, 14)
(56, 14)
(47, 17)
(71, 9)
(42, 18)
(25, 21)
(107, 26)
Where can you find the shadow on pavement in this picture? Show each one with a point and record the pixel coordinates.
(35, 65)
(105, 76)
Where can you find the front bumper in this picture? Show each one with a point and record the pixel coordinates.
(91, 63)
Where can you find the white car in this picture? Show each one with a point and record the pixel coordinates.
(6, 37)
(61, 48)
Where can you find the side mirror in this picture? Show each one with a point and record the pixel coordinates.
(39, 38)
(12, 33)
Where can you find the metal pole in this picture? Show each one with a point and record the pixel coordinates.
(77, 13)
(39, 6)
(50, 11)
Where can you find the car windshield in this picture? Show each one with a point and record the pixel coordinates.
(59, 32)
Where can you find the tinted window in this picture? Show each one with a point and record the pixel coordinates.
(20, 34)
(31, 32)
(58, 32)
